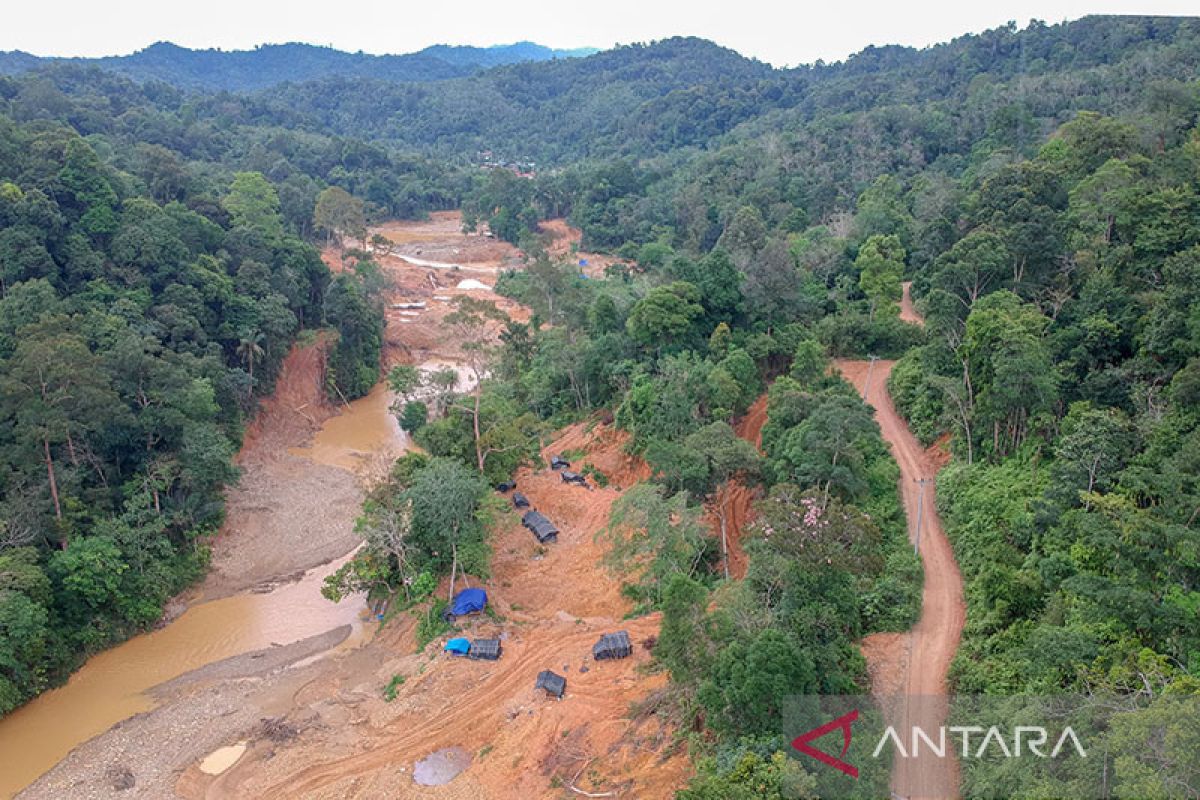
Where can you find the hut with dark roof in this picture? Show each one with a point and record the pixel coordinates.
(552, 683)
(541, 527)
(612, 646)
(486, 649)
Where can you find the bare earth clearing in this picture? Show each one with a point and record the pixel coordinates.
(564, 244)
(318, 726)
(554, 602)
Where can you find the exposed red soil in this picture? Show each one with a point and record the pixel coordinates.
(738, 501)
(553, 602)
(416, 335)
(908, 312)
(917, 663)
(605, 445)
(750, 426)
(294, 410)
(938, 454)
(562, 242)
(736, 498)
(440, 238)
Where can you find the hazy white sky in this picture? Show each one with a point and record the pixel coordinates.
(784, 32)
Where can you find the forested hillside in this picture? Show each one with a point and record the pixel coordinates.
(815, 139)
(1063, 359)
(268, 65)
(1039, 188)
(145, 300)
(171, 139)
(884, 106)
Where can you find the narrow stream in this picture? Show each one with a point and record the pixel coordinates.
(112, 685)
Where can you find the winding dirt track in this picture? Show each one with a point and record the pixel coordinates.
(914, 666)
(736, 498)
(908, 313)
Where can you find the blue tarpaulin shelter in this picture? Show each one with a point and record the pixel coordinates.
(468, 601)
(460, 647)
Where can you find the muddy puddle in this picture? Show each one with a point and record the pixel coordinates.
(441, 767)
(113, 685)
(366, 431)
(222, 759)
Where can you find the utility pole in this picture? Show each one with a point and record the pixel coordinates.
(867, 382)
(920, 512)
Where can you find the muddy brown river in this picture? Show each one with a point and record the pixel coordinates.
(364, 431)
(113, 685)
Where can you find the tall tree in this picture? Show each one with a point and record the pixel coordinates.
(339, 214)
(880, 265)
(253, 203)
(652, 538)
(826, 449)
(972, 267)
(250, 349)
(58, 395)
(445, 498)
(1010, 372)
(475, 322)
(665, 316)
(94, 199)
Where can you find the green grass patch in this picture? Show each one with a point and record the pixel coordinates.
(393, 687)
(430, 624)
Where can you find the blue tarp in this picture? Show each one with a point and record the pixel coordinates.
(468, 601)
(457, 646)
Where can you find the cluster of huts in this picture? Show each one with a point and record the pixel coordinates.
(610, 645)
(467, 602)
(538, 523)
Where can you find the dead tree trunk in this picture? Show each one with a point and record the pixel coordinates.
(721, 515)
(53, 479)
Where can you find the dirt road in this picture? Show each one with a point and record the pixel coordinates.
(915, 665)
(736, 499)
(908, 313)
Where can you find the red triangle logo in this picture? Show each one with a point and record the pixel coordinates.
(843, 722)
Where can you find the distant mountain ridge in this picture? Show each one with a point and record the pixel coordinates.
(270, 65)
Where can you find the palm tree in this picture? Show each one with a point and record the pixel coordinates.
(250, 350)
